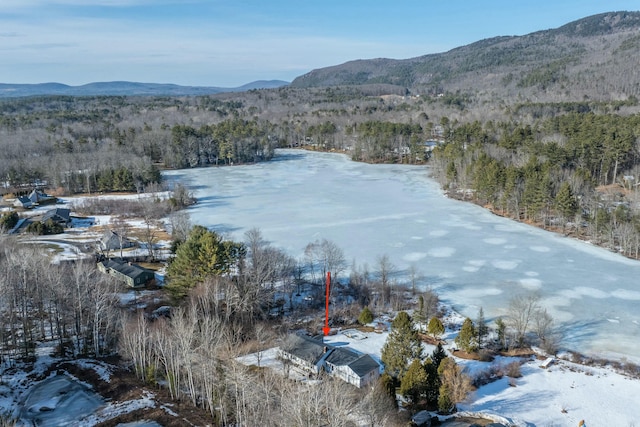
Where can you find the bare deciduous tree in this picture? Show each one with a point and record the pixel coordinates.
(521, 313)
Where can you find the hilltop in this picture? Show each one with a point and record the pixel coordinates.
(593, 58)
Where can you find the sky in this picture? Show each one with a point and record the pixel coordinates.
(228, 43)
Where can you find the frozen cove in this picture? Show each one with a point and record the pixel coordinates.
(471, 257)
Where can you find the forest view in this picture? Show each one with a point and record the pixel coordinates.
(568, 165)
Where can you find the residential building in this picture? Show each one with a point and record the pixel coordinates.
(314, 356)
(131, 274)
(59, 216)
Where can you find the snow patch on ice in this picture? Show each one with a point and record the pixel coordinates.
(530, 283)
(626, 294)
(479, 292)
(495, 240)
(590, 292)
(505, 264)
(540, 248)
(442, 252)
(414, 256)
(438, 233)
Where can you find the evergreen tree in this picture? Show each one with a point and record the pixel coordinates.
(204, 254)
(566, 203)
(389, 385)
(366, 316)
(481, 328)
(445, 403)
(435, 327)
(402, 346)
(433, 381)
(414, 382)
(466, 338)
(438, 355)
(418, 315)
(501, 330)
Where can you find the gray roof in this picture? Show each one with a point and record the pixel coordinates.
(305, 348)
(24, 200)
(361, 364)
(129, 270)
(57, 214)
(342, 356)
(364, 365)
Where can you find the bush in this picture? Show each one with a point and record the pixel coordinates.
(8, 220)
(366, 316)
(512, 370)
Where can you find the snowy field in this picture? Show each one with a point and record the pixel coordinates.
(471, 257)
(561, 395)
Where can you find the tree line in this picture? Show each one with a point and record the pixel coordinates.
(575, 172)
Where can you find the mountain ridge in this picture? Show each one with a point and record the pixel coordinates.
(590, 58)
(125, 88)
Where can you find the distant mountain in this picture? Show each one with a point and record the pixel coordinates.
(126, 89)
(592, 58)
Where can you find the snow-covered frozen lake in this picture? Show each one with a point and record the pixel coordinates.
(471, 257)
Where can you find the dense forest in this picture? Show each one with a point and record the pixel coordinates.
(569, 166)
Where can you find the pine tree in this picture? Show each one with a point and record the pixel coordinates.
(445, 403)
(433, 381)
(566, 203)
(204, 254)
(414, 382)
(501, 330)
(402, 346)
(418, 315)
(366, 316)
(438, 355)
(435, 327)
(481, 328)
(466, 338)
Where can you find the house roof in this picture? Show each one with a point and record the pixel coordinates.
(57, 213)
(305, 348)
(360, 364)
(129, 270)
(342, 356)
(363, 365)
(24, 200)
(112, 235)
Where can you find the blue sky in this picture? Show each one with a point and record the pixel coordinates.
(232, 42)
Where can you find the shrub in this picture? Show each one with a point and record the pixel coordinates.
(513, 370)
(366, 316)
(8, 220)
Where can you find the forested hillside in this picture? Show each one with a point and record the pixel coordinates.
(593, 58)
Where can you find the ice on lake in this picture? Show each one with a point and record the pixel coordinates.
(471, 257)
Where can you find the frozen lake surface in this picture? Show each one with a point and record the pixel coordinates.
(471, 257)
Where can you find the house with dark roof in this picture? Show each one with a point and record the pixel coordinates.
(59, 216)
(314, 356)
(131, 274)
(304, 352)
(112, 241)
(38, 197)
(352, 367)
(23, 202)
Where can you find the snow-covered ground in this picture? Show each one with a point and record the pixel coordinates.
(61, 399)
(560, 395)
(469, 256)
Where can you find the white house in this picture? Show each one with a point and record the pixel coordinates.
(314, 356)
